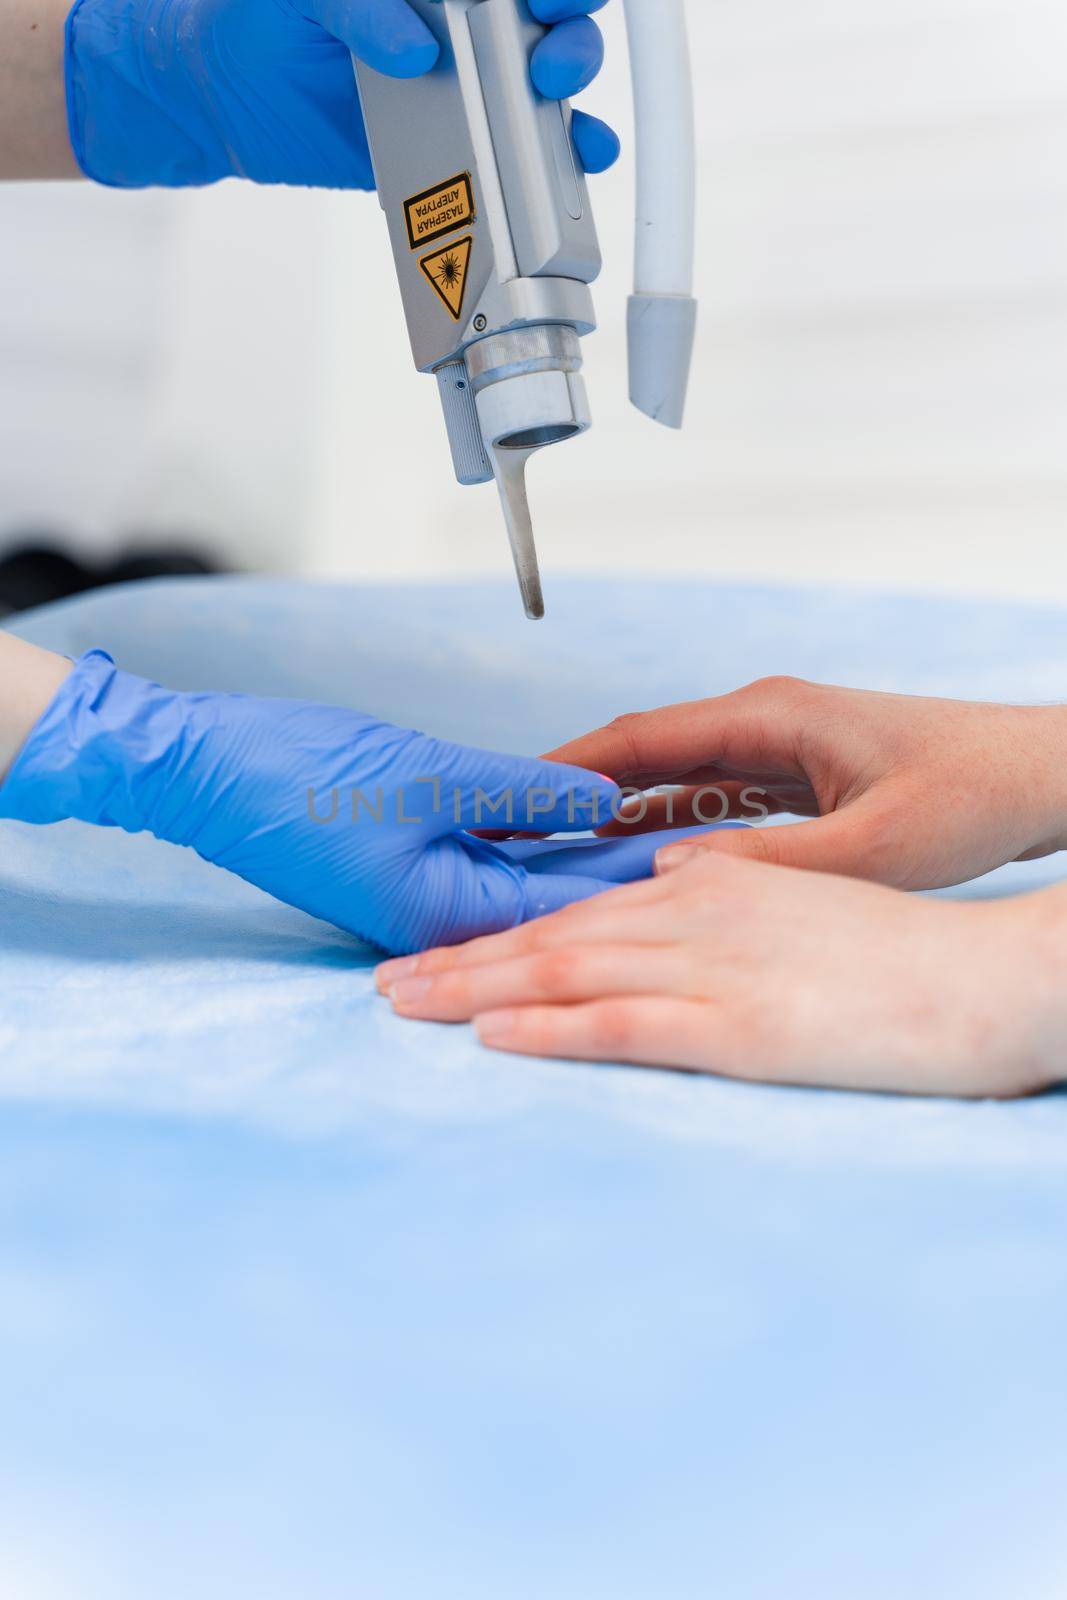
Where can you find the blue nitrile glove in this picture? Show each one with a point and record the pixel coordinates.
(351, 819)
(178, 92)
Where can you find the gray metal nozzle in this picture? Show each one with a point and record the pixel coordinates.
(528, 394)
(510, 468)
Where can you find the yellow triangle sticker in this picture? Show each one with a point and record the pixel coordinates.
(446, 270)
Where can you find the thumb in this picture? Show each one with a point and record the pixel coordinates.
(387, 34)
(558, 875)
(628, 859)
(840, 843)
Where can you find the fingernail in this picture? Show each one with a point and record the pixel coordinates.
(675, 855)
(409, 991)
(496, 1027)
(391, 972)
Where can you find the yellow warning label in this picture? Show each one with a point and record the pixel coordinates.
(438, 210)
(447, 271)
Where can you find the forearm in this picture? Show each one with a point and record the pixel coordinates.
(34, 142)
(29, 679)
(1028, 972)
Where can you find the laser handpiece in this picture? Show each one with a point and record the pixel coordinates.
(495, 244)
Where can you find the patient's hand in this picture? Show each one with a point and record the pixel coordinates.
(910, 792)
(737, 968)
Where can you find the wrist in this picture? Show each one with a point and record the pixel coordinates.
(104, 750)
(1041, 781)
(135, 116)
(30, 678)
(1031, 941)
(186, 92)
(33, 118)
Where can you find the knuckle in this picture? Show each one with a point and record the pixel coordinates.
(567, 917)
(553, 972)
(612, 1027)
(453, 989)
(882, 846)
(765, 845)
(543, 933)
(780, 686)
(628, 728)
(536, 936)
(437, 963)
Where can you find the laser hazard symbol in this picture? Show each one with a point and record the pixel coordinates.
(447, 271)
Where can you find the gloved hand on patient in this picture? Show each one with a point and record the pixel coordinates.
(178, 92)
(353, 820)
(737, 966)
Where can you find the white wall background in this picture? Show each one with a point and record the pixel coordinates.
(881, 383)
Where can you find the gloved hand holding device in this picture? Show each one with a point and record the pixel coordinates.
(179, 92)
(351, 819)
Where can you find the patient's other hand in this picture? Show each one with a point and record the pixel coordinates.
(752, 972)
(910, 792)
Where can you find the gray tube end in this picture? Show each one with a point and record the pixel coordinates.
(661, 329)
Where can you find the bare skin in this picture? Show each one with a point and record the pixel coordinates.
(34, 141)
(916, 793)
(733, 962)
(756, 972)
(29, 681)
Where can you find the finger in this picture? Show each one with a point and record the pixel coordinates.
(640, 1030)
(756, 729)
(584, 899)
(845, 843)
(623, 860)
(546, 893)
(597, 145)
(567, 976)
(464, 894)
(389, 36)
(560, 10)
(610, 916)
(491, 893)
(463, 788)
(694, 808)
(567, 59)
(684, 1035)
